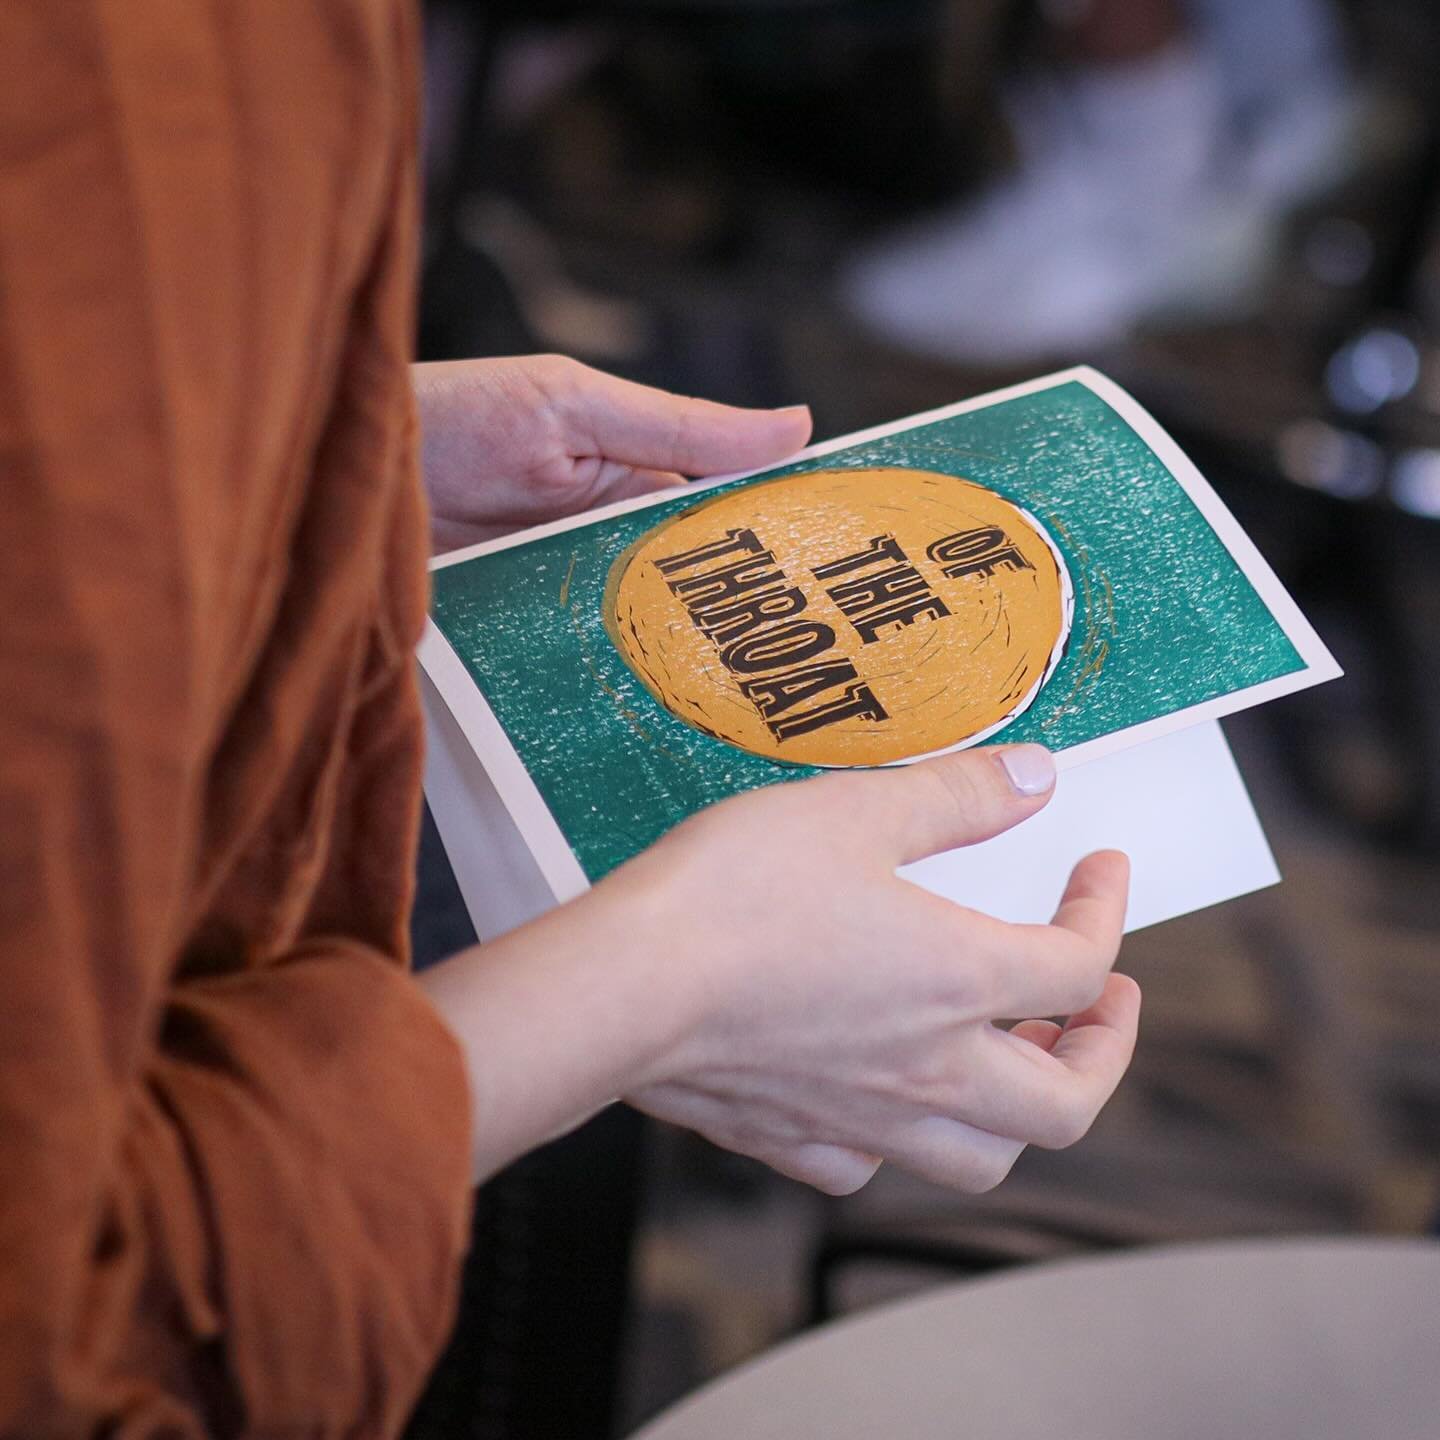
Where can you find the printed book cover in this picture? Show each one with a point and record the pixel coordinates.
(1038, 564)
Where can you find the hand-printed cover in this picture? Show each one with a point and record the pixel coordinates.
(1039, 565)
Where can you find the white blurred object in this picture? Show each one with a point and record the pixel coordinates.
(1147, 188)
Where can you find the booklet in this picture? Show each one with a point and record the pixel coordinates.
(1038, 564)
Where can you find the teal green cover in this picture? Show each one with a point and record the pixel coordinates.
(1165, 619)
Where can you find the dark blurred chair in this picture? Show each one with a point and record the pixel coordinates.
(472, 292)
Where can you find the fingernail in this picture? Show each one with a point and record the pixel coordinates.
(792, 410)
(1031, 768)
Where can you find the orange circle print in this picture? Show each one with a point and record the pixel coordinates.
(844, 617)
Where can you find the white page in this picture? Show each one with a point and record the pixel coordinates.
(498, 877)
(1176, 805)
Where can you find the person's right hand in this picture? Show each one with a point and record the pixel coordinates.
(840, 1015)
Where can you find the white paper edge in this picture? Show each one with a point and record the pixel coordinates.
(527, 807)
(517, 791)
(1175, 871)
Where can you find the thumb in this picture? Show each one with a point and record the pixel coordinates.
(638, 425)
(952, 800)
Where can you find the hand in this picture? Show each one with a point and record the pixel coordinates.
(849, 1016)
(763, 976)
(515, 442)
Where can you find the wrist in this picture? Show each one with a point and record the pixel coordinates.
(565, 1015)
(652, 983)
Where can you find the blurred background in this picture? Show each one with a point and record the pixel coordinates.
(880, 206)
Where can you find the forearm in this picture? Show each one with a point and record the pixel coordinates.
(278, 1195)
(562, 1016)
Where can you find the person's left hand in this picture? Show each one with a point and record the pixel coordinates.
(513, 442)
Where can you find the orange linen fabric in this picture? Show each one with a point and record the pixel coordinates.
(234, 1152)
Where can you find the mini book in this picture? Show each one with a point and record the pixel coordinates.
(1038, 564)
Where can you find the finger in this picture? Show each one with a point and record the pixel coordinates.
(922, 809)
(641, 481)
(833, 1169)
(1098, 1043)
(1059, 968)
(1095, 1049)
(1051, 1097)
(761, 1132)
(1041, 1033)
(642, 426)
(951, 1153)
(1093, 905)
(621, 482)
